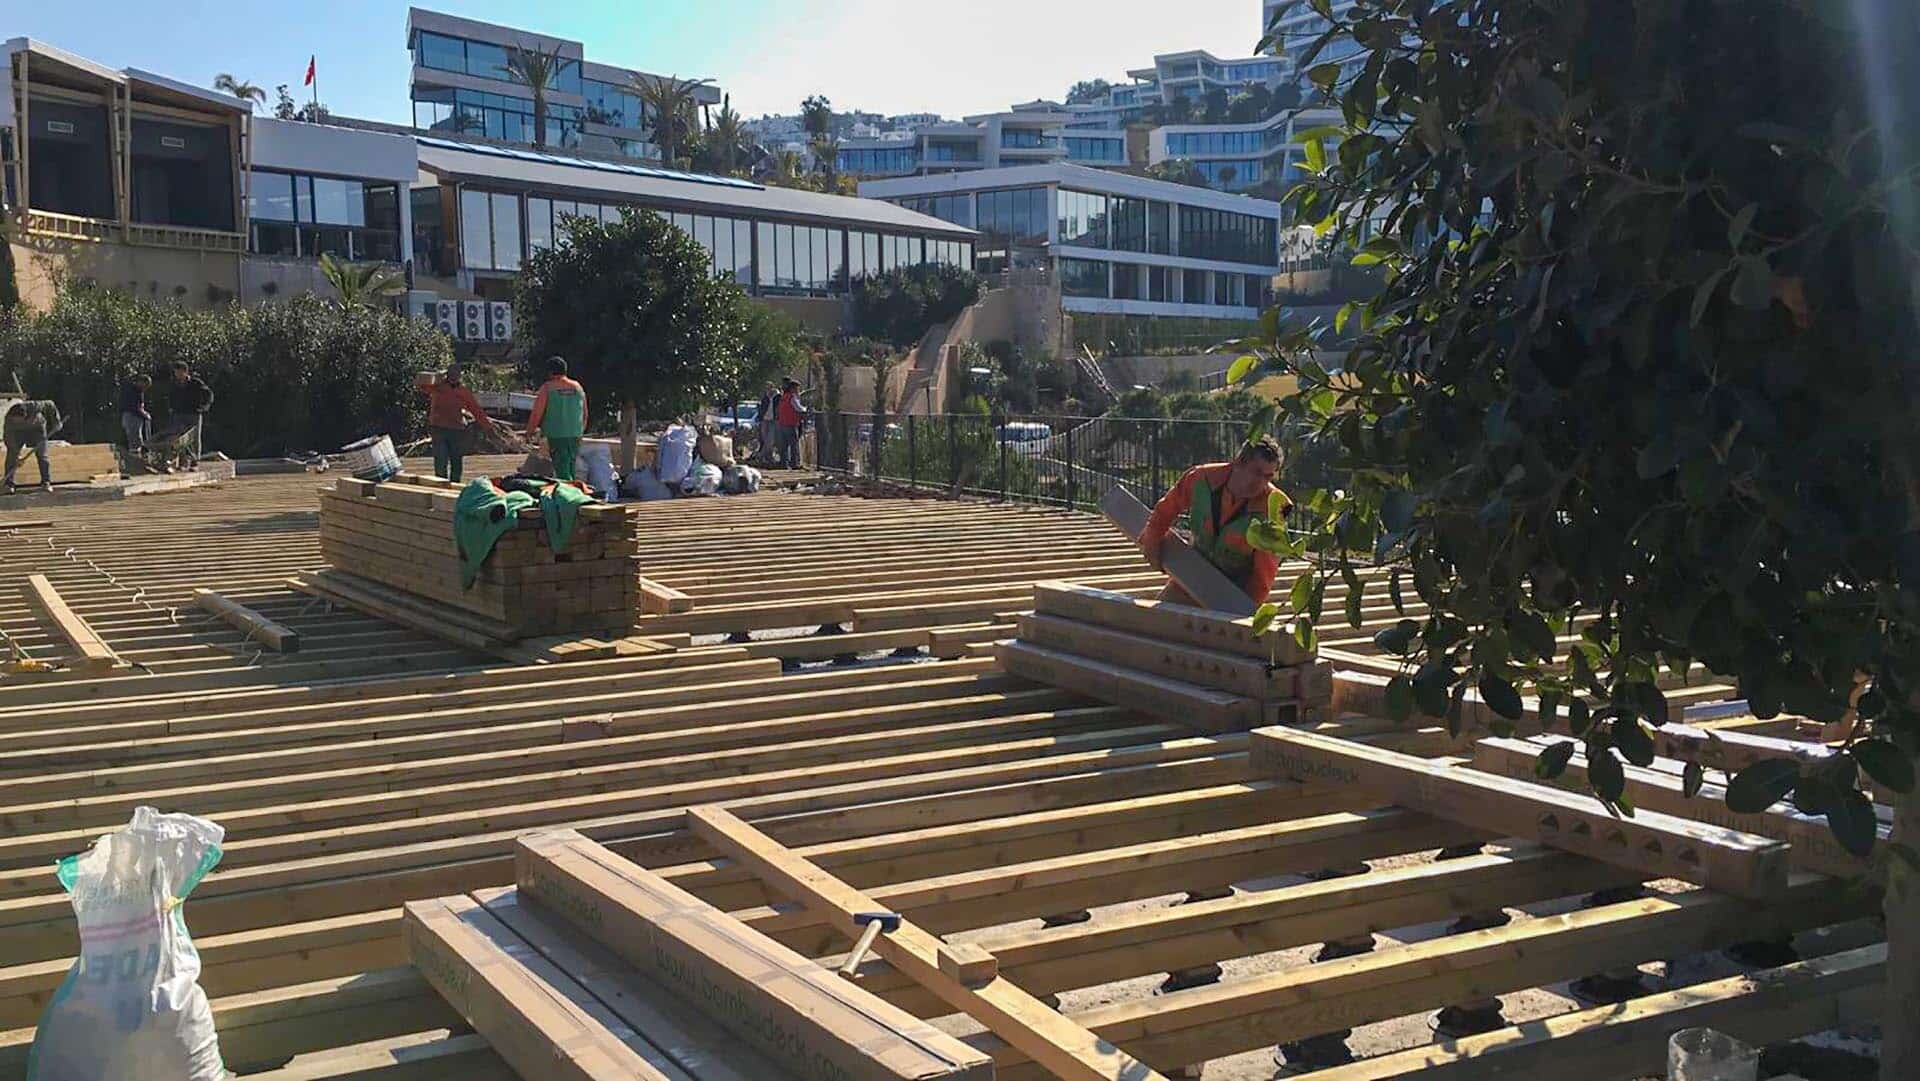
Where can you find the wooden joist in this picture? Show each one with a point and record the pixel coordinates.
(1202, 707)
(1658, 845)
(1052, 1040)
(87, 651)
(1178, 623)
(1201, 579)
(256, 627)
(759, 990)
(1228, 672)
(658, 599)
(1813, 844)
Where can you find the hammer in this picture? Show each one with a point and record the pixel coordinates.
(874, 923)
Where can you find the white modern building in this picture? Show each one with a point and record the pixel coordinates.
(1300, 27)
(1029, 134)
(461, 87)
(1235, 157)
(1118, 244)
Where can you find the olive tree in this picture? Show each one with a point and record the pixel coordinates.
(635, 308)
(1639, 394)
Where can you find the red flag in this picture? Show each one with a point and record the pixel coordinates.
(309, 81)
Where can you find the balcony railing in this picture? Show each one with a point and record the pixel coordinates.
(97, 230)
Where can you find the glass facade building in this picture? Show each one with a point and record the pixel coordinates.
(297, 214)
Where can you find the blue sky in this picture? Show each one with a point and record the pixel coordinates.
(884, 55)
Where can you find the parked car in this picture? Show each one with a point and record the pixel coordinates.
(746, 415)
(1026, 437)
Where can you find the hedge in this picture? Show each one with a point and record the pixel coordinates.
(292, 375)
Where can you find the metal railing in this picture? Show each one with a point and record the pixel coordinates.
(1051, 460)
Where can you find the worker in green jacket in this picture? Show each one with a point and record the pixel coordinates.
(560, 415)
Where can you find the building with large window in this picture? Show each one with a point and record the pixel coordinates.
(1118, 244)
(1300, 27)
(1028, 134)
(461, 87)
(480, 211)
(1237, 157)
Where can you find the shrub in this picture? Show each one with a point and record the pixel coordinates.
(901, 305)
(299, 374)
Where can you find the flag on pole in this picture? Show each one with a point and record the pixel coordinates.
(310, 60)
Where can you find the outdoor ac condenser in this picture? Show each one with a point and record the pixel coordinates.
(499, 321)
(473, 321)
(447, 317)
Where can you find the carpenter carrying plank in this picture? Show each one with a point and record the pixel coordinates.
(1657, 845)
(1216, 503)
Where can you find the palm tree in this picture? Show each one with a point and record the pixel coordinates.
(248, 92)
(816, 116)
(536, 69)
(669, 101)
(726, 138)
(360, 284)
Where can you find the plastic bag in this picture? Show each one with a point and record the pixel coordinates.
(646, 485)
(676, 454)
(596, 468)
(704, 480)
(131, 1008)
(740, 479)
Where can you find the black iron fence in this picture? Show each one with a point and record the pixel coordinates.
(1058, 461)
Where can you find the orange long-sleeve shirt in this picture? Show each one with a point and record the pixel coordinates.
(445, 403)
(1176, 503)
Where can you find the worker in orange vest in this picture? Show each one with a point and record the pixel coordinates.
(1217, 502)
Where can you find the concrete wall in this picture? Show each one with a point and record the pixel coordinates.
(291, 146)
(193, 278)
(270, 278)
(1127, 372)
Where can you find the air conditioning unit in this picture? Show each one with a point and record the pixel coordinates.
(500, 321)
(446, 316)
(473, 320)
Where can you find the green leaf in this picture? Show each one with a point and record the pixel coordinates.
(1323, 76)
(1304, 636)
(1692, 778)
(1634, 739)
(1397, 639)
(1852, 821)
(1301, 593)
(1579, 716)
(1399, 698)
(1553, 761)
(1367, 258)
(1240, 368)
(1430, 688)
(1660, 456)
(1500, 696)
(1393, 592)
(1396, 510)
(1737, 228)
(1753, 285)
(1762, 785)
(1703, 295)
(1607, 776)
(1341, 316)
(1277, 504)
(1885, 763)
(1313, 152)
(1263, 618)
(1533, 633)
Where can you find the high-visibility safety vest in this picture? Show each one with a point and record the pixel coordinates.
(566, 415)
(1222, 542)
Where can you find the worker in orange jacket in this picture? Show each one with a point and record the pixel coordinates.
(1217, 502)
(560, 415)
(448, 406)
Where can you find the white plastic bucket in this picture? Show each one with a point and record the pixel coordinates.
(372, 458)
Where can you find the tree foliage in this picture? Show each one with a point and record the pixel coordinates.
(1642, 375)
(360, 285)
(901, 305)
(536, 69)
(293, 375)
(1087, 91)
(633, 306)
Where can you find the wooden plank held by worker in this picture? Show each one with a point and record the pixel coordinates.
(1201, 579)
(763, 992)
(965, 977)
(1657, 845)
(88, 652)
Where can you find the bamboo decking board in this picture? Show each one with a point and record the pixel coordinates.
(379, 766)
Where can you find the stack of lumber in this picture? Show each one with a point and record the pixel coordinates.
(77, 463)
(592, 967)
(1194, 665)
(393, 551)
